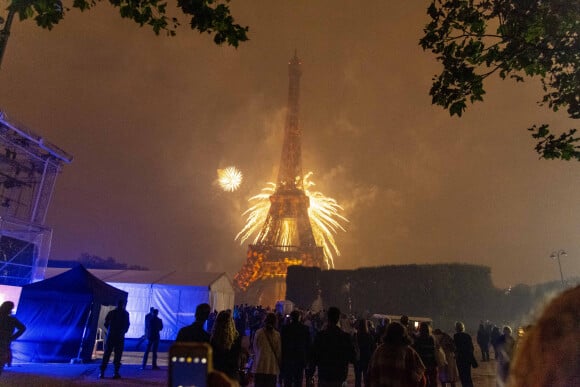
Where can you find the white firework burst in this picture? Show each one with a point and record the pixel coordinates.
(229, 178)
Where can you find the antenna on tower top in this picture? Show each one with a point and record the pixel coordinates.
(295, 59)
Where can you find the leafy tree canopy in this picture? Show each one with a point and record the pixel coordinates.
(209, 16)
(474, 39)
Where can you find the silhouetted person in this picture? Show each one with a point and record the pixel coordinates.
(226, 345)
(410, 330)
(153, 337)
(268, 350)
(505, 346)
(366, 344)
(195, 331)
(145, 334)
(425, 345)
(381, 329)
(464, 354)
(10, 329)
(332, 351)
(483, 339)
(447, 373)
(395, 362)
(494, 339)
(295, 347)
(117, 324)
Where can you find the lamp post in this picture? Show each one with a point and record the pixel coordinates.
(556, 255)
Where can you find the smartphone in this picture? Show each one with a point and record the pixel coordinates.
(189, 364)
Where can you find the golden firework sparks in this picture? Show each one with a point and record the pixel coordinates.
(323, 213)
(229, 178)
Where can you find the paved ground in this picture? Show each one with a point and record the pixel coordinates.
(65, 375)
(59, 374)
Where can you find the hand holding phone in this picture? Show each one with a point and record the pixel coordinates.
(189, 364)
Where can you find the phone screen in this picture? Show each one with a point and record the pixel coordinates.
(189, 364)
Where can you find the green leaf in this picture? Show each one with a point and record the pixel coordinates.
(474, 40)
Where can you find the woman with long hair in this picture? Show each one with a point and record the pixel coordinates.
(425, 345)
(395, 362)
(548, 353)
(226, 345)
(447, 373)
(267, 352)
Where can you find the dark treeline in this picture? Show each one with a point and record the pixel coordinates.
(446, 293)
(90, 261)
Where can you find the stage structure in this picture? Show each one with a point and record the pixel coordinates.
(286, 237)
(28, 169)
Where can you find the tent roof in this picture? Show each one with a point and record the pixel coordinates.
(78, 280)
(167, 277)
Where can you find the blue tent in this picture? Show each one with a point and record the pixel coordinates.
(61, 315)
(176, 293)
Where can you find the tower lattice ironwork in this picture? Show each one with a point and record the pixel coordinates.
(286, 238)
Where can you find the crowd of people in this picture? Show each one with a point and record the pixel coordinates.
(278, 349)
(288, 349)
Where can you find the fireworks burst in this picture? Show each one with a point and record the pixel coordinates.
(229, 178)
(323, 213)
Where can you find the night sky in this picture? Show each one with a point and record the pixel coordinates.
(149, 120)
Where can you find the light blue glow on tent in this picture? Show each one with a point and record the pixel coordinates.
(176, 306)
(176, 293)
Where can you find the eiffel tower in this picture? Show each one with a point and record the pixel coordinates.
(286, 237)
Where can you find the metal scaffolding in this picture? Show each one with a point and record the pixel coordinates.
(28, 169)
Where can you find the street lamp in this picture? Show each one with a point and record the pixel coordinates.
(556, 255)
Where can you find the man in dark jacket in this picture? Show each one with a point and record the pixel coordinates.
(195, 331)
(145, 334)
(464, 354)
(332, 350)
(295, 346)
(483, 339)
(153, 337)
(117, 324)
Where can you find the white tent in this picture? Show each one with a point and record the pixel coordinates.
(175, 293)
